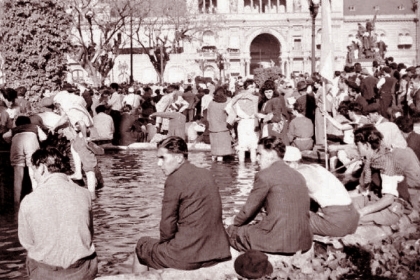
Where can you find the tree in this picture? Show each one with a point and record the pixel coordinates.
(263, 74)
(167, 25)
(34, 43)
(98, 29)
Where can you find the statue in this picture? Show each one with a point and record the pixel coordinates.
(366, 43)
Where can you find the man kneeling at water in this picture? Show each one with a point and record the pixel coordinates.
(336, 215)
(191, 228)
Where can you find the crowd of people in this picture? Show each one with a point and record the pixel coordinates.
(367, 119)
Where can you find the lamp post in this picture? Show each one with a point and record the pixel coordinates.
(131, 49)
(313, 9)
(220, 62)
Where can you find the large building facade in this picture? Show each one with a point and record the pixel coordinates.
(262, 33)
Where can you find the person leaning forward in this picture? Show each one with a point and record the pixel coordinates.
(192, 234)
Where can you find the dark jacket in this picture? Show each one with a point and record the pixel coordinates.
(368, 87)
(191, 228)
(282, 192)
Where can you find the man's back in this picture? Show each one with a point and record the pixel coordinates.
(55, 222)
(192, 217)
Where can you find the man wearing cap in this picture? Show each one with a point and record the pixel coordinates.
(191, 228)
(336, 215)
(386, 88)
(306, 97)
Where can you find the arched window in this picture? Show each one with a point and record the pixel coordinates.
(208, 38)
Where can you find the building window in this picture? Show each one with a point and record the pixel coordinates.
(207, 6)
(401, 7)
(297, 44)
(208, 38)
(352, 8)
(376, 8)
(405, 41)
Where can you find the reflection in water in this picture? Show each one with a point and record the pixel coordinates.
(127, 208)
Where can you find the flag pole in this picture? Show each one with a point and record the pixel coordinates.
(327, 60)
(324, 109)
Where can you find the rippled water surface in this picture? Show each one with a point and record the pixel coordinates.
(127, 208)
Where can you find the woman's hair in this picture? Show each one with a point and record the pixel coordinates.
(220, 95)
(53, 160)
(22, 120)
(298, 107)
(269, 85)
(368, 134)
(356, 108)
(174, 145)
(248, 82)
(272, 143)
(343, 108)
(405, 124)
(9, 94)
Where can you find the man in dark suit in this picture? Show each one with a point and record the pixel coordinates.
(192, 234)
(281, 191)
(368, 86)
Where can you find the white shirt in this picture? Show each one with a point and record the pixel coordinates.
(104, 126)
(323, 186)
(115, 101)
(132, 99)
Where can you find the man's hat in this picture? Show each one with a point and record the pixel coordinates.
(253, 264)
(131, 90)
(301, 85)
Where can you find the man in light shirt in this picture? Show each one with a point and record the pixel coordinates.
(103, 125)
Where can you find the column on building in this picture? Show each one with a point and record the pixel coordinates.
(247, 66)
(223, 6)
(289, 6)
(193, 4)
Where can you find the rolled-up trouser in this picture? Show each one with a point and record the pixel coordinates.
(85, 269)
(385, 217)
(337, 220)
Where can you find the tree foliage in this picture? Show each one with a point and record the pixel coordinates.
(34, 44)
(98, 26)
(263, 74)
(161, 28)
